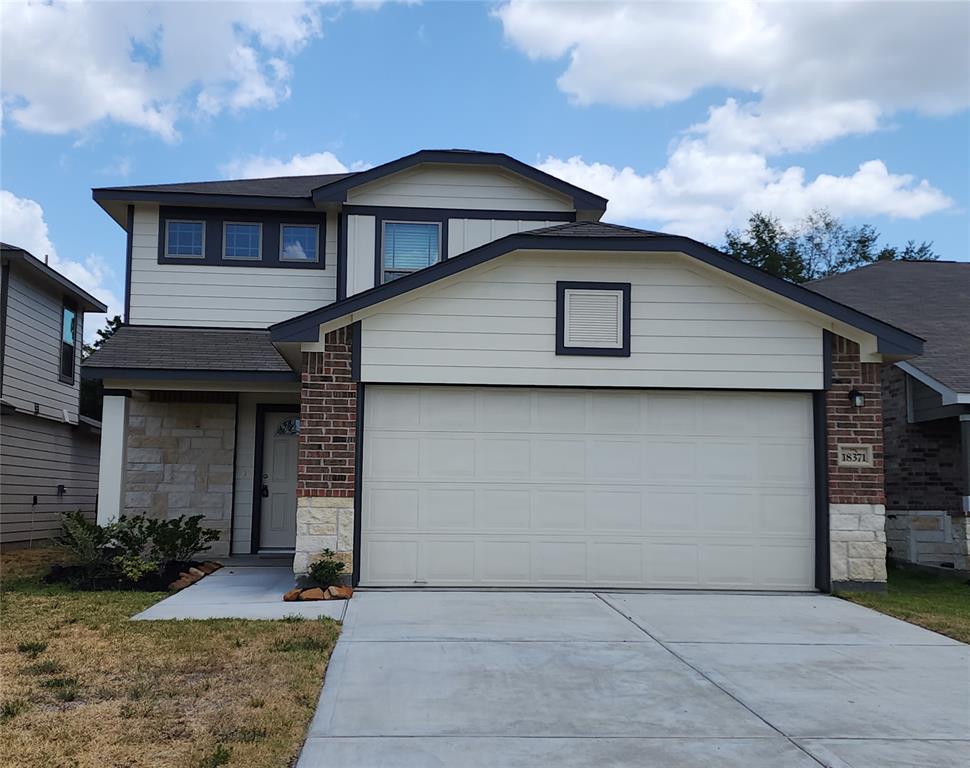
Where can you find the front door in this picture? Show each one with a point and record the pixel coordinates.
(277, 493)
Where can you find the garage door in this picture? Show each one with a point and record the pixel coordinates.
(587, 488)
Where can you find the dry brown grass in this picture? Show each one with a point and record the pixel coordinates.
(81, 686)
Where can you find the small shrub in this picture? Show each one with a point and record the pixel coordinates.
(181, 539)
(219, 756)
(134, 567)
(11, 708)
(32, 648)
(88, 542)
(326, 571)
(46, 667)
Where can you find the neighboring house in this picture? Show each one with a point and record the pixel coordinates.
(446, 369)
(926, 403)
(48, 451)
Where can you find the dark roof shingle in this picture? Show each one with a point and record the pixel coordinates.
(928, 298)
(276, 186)
(189, 349)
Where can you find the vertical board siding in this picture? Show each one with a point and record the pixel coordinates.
(219, 296)
(465, 234)
(496, 325)
(37, 455)
(361, 245)
(32, 353)
(242, 510)
(442, 186)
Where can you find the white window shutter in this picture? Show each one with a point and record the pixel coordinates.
(593, 319)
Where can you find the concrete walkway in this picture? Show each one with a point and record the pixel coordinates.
(245, 592)
(476, 679)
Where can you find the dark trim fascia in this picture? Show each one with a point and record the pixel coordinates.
(131, 234)
(304, 327)
(162, 374)
(422, 215)
(213, 235)
(86, 302)
(459, 213)
(358, 484)
(4, 291)
(341, 256)
(261, 410)
(859, 586)
(202, 199)
(336, 192)
(573, 285)
(826, 360)
(823, 572)
(355, 351)
(116, 393)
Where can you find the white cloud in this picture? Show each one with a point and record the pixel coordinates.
(261, 166)
(22, 224)
(814, 71)
(147, 65)
(700, 193)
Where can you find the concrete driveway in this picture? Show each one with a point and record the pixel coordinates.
(476, 679)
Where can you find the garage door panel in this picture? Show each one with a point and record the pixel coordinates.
(586, 501)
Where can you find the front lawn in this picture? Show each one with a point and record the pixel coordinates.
(937, 603)
(84, 687)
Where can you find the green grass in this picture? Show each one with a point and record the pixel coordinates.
(935, 602)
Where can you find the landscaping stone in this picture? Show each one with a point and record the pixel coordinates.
(340, 593)
(191, 577)
(178, 584)
(292, 595)
(314, 593)
(196, 572)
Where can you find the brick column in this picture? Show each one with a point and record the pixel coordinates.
(328, 441)
(857, 502)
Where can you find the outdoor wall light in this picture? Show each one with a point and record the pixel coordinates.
(857, 398)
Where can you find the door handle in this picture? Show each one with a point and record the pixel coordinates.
(264, 491)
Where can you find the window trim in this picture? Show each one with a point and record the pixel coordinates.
(380, 245)
(201, 256)
(316, 256)
(67, 303)
(572, 285)
(226, 223)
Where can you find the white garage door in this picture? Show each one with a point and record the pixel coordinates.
(587, 488)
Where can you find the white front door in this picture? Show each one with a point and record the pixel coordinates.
(277, 497)
(587, 488)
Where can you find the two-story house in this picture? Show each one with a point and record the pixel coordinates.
(48, 451)
(448, 370)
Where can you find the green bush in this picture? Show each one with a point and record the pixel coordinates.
(181, 539)
(326, 571)
(88, 542)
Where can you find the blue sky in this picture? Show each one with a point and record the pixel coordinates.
(637, 103)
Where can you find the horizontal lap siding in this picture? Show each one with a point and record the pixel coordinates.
(37, 455)
(214, 296)
(31, 364)
(497, 326)
(459, 187)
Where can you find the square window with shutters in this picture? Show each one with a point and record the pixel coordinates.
(593, 319)
(407, 246)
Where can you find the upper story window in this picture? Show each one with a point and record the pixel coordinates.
(299, 242)
(242, 240)
(408, 246)
(68, 341)
(185, 239)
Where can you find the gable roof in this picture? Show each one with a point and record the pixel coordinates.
(309, 192)
(87, 302)
(931, 298)
(137, 351)
(597, 236)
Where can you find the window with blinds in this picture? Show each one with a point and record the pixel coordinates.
(409, 246)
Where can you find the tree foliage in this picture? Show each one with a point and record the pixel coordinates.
(92, 392)
(819, 245)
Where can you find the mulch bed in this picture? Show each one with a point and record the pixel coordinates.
(171, 576)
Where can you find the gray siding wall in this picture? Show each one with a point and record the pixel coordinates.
(31, 363)
(37, 455)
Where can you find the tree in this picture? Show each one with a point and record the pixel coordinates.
(819, 245)
(92, 391)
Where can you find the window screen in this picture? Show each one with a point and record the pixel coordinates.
(409, 246)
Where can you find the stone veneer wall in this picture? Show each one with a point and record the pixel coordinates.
(180, 462)
(328, 444)
(857, 511)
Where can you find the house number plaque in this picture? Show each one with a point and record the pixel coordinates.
(855, 455)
